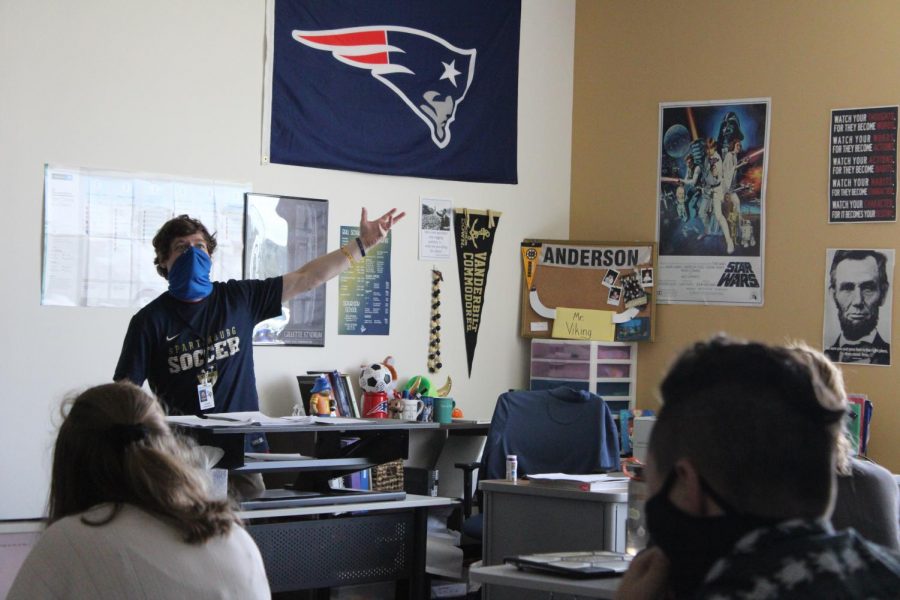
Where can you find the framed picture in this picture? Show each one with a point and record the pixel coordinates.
(281, 234)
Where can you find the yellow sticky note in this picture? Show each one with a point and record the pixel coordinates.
(584, 324)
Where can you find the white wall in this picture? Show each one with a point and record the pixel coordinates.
(174, 87)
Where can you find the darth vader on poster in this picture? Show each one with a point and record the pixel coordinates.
(711, 201)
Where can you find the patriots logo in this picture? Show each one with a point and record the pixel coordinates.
(428, 73)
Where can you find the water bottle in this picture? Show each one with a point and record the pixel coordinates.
(636, 535)
(512, 467)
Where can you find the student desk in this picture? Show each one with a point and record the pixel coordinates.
(527, 518)
(511, 577)
(319, 547)
(348, 542)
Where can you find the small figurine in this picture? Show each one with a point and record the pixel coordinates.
(395, 407)
(321, 398)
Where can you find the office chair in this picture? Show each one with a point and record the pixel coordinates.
(559, 430)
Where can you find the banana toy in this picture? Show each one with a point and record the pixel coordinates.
(444, 390)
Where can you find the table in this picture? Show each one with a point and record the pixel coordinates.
(529, 518)
(319, 547)
(510, 576)
(315, 547)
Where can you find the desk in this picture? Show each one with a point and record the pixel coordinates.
(524, 518)
(317, 547)
(510, 576)
(323, 546)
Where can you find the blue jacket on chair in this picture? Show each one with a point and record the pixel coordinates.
(560, 430)
(550, 431)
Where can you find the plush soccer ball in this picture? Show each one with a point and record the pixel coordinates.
(375, 378)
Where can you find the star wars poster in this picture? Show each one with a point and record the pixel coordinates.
(858, 299)
(710, 225)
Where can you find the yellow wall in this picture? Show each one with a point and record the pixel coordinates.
(810, 57)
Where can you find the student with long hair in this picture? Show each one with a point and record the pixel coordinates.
(131, 515)
(867, 497)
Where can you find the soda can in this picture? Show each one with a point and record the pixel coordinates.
(375, 405)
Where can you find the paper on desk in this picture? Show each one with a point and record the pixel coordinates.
(231, 419)
(309, 420)
(592, 478)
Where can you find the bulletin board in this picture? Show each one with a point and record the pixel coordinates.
(588, 290)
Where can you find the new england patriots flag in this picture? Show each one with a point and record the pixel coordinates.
(398, 87)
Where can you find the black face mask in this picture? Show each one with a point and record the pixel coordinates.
(692, 544)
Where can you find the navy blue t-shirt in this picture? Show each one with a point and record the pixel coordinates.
(170, 342)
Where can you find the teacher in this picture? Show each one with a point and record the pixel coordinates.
(193, 343)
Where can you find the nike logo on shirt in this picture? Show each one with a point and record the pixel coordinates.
(169, 338)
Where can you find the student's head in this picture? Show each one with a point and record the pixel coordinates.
(176, 236)
(831, 394)
(859, 285)
(746, 420)
(114, 446)
(742, 441)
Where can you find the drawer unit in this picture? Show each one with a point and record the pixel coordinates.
(609, 369)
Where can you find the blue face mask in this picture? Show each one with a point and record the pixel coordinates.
(189, 276)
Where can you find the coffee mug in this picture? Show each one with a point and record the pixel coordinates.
(427, 413)
(443, 410)
(411, 409)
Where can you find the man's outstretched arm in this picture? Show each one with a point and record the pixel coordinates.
(321, 269)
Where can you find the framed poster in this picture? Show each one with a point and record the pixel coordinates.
(99, 227)
(711, 193)
(862, 182)
(282, 233)
(364, 290)
(588, 290)
(856, 327)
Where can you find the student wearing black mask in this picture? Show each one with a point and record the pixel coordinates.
(741, 477)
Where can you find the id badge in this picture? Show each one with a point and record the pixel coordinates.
(205, 396)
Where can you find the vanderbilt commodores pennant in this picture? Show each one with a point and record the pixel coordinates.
(475, 230)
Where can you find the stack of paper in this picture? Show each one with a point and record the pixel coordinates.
(588, 483)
